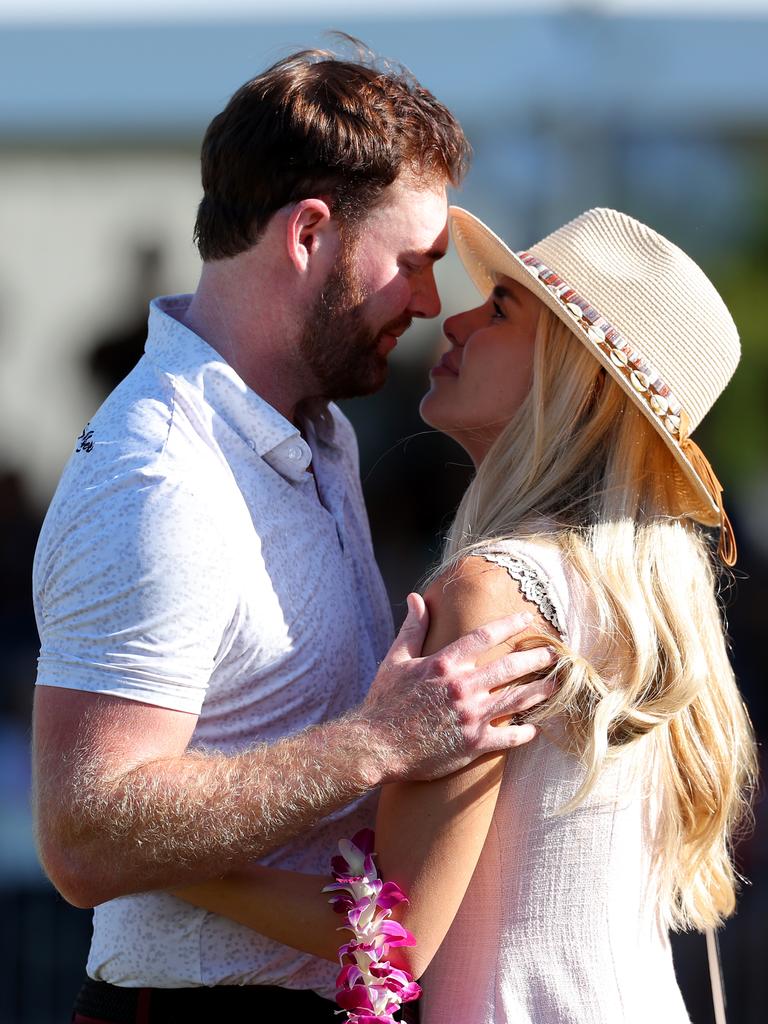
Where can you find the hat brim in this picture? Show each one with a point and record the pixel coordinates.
(486, 258)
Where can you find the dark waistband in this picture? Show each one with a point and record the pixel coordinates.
(101, 1003)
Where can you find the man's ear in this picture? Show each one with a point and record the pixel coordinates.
(311, 235)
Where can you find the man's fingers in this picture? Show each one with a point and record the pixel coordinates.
(517, 699)
(410, 640)
(510, 668)
(507, 734)
(468, 648)
(503, 735)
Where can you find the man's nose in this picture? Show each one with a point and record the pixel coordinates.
(425, 300)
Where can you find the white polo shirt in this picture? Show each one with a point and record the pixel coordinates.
(189, 560)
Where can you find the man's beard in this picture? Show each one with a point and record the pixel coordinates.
(340, 349)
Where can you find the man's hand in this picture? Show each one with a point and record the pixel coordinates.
(432, 715)
(123, 806)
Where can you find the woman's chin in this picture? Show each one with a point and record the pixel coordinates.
(439, 419)
(424, 405)
(432, 410)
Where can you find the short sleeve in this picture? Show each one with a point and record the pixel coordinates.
(134, 588)
(535, 583)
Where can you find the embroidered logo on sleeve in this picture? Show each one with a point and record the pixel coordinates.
(85, 440)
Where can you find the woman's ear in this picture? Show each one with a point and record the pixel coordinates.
(311, 236)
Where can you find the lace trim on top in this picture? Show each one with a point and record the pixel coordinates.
(534, 585)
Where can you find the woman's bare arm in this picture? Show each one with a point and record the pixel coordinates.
(287, 906)
(428, 834)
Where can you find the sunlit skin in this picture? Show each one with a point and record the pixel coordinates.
(429, 837)
(482, 379)
(255, 308)
(382, 279)
(394, 257)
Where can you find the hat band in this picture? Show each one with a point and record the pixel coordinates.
(646, 382)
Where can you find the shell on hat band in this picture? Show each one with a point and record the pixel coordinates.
(631, 364)
(646, 382)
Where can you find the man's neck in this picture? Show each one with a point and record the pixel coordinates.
(249, 335)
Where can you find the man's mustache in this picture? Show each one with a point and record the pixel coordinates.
(399, 326)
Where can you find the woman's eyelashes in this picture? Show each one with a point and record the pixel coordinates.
(498, 312)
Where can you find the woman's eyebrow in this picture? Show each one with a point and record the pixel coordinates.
(501, 292)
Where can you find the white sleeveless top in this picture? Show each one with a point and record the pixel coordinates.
(559, 924)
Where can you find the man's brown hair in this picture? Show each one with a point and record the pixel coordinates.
(316, 125)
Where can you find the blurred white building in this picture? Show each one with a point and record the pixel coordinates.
(100, 127)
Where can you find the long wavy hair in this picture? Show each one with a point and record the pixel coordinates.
(580, 464)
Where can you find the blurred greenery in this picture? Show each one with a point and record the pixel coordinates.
(736, 431)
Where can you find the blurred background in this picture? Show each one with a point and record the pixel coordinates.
(657, 108)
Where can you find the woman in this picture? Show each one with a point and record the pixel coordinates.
(542, 883)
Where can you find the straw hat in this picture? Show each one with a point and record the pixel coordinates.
(646, 311)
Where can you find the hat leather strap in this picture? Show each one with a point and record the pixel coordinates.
(726, 547)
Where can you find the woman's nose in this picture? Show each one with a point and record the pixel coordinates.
(455, 328)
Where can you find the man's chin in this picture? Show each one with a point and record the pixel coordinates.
(362, 384)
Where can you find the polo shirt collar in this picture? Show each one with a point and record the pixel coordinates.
(180, 352)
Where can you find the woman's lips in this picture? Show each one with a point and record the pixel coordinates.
(445, 368)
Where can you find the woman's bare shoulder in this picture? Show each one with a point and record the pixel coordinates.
(473, 592)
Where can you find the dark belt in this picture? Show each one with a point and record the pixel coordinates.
(101, 1003)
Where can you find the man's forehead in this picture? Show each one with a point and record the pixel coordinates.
(414, 208)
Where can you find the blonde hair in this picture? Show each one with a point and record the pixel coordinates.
(580, 463)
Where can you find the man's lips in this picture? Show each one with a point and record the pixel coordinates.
(386, 343)
(389, 337)
(445, 368)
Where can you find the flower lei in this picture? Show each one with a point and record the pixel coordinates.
(368, 987)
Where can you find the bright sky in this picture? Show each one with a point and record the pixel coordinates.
(149, 10)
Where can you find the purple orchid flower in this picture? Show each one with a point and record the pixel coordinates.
(366, 1018)
(355, 855)
(390, 895)
(357, 999)
(391, 933)
(353, 949)
(369, 988)
(349, 975)
(341, 901)
(363, 913)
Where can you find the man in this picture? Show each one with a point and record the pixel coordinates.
(205, 580)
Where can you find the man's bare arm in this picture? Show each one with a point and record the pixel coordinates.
(123, 806)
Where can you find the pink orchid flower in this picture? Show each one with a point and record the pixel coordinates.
(369, 988)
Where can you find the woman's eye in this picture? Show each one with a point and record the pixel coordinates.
(498, 311)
